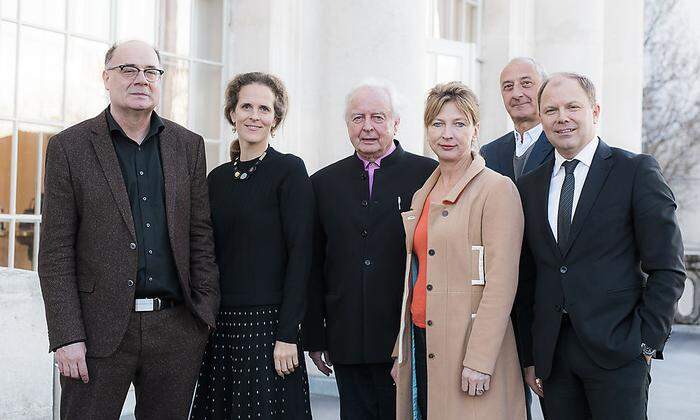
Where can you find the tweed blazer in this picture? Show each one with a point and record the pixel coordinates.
(474, 238)
(88, 258)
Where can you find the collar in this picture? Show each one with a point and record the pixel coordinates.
(585, 156)
(522, 143)
(156, 125)
(378, 162)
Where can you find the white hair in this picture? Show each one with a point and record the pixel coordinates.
(539, 68)
(378, 84)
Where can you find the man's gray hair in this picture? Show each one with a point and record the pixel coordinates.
(378, 84)
(539, 68)
(110, 52)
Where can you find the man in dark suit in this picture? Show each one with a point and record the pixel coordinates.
(360, 254)
(603, 263)
(526, 147)
(126, 263)
(523, 149)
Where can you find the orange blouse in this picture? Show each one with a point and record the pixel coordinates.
(420, 249)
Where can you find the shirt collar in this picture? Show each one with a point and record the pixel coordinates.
(585, 156)
(378, 162)
(156, 126)
(522, 143)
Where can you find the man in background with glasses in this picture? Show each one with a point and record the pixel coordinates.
(126, 259)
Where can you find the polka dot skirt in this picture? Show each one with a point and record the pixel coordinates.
(238, 378)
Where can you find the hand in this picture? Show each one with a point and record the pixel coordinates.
(534, 382)
(395, 371)
(70, 361)
(475, 383)
(323, 365)
(286, 358)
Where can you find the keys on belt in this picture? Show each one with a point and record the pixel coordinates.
(155, 304)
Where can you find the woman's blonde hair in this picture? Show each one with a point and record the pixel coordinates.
(457, 92)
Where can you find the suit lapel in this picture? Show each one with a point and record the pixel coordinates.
(505, 157)
(539, 153)
(107, 156)
(597, 174)
(542, 184)
(168, 158)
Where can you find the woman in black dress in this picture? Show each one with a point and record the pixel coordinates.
(262, 213)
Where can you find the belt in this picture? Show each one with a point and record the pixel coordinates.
(155, 304)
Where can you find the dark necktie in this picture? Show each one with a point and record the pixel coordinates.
(566, 203)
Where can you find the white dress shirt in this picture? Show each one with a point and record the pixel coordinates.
(585, 157)
(522, 143)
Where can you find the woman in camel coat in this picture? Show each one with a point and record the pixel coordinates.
(456, 348)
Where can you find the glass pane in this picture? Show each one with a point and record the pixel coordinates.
(206, 100)
(453, 20)
(31, 154)
(212, 151)
(136, 20)
(40, 74)
(175, 87)
(175, 18)
(89, 17)
(8, 61)
(468, 23)
(24, 246)
(449, 68)
(8, 9)
(85, 93)
(4, 243)
(208, 29)
(51, 13)
(5, 161)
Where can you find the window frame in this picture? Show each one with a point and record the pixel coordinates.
(11, 219)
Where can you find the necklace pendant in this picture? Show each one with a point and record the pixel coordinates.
(244, 175)
(236, 174)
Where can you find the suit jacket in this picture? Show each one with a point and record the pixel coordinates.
(354, 303)
(88, 258)
(499, 154)
(622, 271)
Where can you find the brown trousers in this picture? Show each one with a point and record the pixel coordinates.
(160, 353)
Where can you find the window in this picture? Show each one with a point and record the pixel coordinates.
(51, 60)
(452, 30)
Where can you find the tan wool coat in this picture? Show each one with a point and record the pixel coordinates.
(476, 234)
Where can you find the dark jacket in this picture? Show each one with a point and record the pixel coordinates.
(622, 272)
(88, 257)
(499, 154)
(356, 285)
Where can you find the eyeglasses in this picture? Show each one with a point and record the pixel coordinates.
(129, 71)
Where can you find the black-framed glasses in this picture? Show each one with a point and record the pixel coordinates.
(129, 71)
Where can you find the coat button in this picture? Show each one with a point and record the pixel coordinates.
(431, 356)
(368, 262)
(130, 283)
(364, 233)
(445, 213)
(431, 252)
(563, 269)
(557, 308)
(132, 245)
(429, 287)
(429, 322)
(364, 203)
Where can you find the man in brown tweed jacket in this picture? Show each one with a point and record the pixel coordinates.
(126, 262)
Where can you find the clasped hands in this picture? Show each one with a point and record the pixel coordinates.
(474, 383)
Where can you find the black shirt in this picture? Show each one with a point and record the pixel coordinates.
(143, 175)
(263, 228)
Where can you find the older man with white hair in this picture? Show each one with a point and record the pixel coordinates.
(360, 253)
